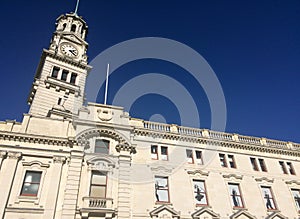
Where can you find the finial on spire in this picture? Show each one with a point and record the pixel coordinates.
(76, 9)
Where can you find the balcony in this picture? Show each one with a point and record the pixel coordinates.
(93, 206)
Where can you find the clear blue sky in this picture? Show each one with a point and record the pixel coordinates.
(252, 46)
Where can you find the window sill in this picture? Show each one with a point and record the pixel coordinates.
(163, 203)
(273, 210)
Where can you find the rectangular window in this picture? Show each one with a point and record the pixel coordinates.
(291, 168)
(64, 75)
(268, 198)
(262, 165)
(223, 161)
(164, 153)
(98, 185)
(199, 157)
(161, 189)
(73, 78)
(231, 161)
(154, 152)
(102, 146)
(283, 168)
(235, 195)
(189, 156)
(55, 71)
(200, 192)
(31, 183)
(296, 195)
(254, 164)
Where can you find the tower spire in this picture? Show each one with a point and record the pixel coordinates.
(76, 9)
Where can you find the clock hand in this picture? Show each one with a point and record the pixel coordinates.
(73, 51)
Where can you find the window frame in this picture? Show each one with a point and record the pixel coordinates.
(283, 167)
(156, 152)
(94, 172)
(55, 69)
(22, 193)
(223, 160)
(290, 168)
(239, 195)
(198, 159)
(231, 161)
(163, 189)
(195, 193)
(164, 157)
(64, 73)
(272, 199)
(254, 164)
(296, 202)
(73, 75)
(262, 165)
(189, 156)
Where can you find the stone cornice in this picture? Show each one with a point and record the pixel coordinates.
(126, 147)
(30, 138)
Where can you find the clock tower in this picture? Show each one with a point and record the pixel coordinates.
(58, 87)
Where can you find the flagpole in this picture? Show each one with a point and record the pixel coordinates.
(106, 84)
(76, 9)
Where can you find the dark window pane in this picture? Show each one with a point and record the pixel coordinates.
(31, 183)
(101, 146)
(55, 72)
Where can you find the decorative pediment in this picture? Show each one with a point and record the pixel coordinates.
(292, 182)
(205, 212)
(242, 214)
(105, 164)
(163, 170)
(261, 179)
(84, 136)
(36, 162)
(276, 215)
(232, 176)
(164, 212)
(198, 172)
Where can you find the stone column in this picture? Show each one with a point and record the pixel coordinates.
(7, 175)
(72, 185)
(2, 155)
(58, 162)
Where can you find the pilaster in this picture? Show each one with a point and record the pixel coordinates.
(72, 185)
(58, 162)
(8, 173)
(124, 193)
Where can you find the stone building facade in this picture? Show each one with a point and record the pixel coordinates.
(70, 161)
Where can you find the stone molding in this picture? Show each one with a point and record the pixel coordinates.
(83, 137)
(18, 137)
(154, 213)
(264, 179)
(197, 214)
(126, 147)
(161, 170)
(292, 182)
(200, 172)
(232, 175)
(242, 213)
(36, 162)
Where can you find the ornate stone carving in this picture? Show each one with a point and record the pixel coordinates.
(105, 114)
(200, 172)
(161, 170)
(125, 147)
(232, 175)
(264, 179)
(59, 159)
(36, 162)
(2, 154)
(14, 155)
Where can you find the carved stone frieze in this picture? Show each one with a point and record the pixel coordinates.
(36, 162)
(125, 147)
(199, 172)
(264, 179)
(232, 175)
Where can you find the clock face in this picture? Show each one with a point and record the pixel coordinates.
(69, 50)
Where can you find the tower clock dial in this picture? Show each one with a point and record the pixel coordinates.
(69, 50)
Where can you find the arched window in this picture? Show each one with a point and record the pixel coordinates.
(55, 71)
(73, 28)
(73, 78)
(64, 26)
